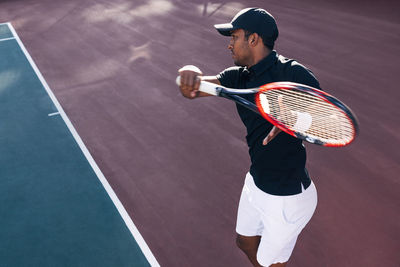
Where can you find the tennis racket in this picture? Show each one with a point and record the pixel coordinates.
(299, 110)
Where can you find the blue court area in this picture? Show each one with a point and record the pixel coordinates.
(56, 208)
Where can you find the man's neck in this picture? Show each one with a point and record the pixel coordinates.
(258, 55)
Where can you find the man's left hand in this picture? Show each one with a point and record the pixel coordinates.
(271, 135)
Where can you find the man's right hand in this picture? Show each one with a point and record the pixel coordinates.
(190, 81)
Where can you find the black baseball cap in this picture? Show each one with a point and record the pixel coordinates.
(252, 19)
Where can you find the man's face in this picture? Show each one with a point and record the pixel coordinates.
(239, 47)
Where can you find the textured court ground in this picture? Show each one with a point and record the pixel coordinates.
(178, 165)
(58, 210)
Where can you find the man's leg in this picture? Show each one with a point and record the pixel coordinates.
(278, 265)
(249, 245)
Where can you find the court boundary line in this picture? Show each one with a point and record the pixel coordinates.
(114, 198)
(6, 39)
(53, 114)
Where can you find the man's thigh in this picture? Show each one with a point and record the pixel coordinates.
(279, 220)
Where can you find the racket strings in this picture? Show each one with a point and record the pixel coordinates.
(308, 115)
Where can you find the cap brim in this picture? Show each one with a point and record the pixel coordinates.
(224, 29)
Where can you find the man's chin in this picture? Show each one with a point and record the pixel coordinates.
(238, 63)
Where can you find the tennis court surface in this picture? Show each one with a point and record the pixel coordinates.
(177, 166)
(57, 209)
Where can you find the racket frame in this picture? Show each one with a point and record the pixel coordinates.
(315, 92)
(234, 94)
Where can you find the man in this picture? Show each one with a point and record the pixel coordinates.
(278, 197)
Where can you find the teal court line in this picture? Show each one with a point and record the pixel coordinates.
(57, 111)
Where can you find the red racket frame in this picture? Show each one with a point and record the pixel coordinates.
(315, 92)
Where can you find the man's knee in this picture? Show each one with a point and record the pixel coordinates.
(247, 243)
(240, 243)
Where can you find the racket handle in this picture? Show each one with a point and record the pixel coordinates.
(206, 87)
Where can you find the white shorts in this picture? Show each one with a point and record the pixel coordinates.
(277, 219)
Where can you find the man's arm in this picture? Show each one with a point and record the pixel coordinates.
(191, 76)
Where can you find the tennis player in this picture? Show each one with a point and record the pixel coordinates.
(278, 197)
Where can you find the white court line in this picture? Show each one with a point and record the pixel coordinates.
(5, 39)
(53, 114)
(124, 214)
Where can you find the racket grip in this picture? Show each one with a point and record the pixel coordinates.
(205, 87)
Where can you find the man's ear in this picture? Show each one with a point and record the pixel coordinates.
(254, 39)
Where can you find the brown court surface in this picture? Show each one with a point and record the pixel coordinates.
(178, 165)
